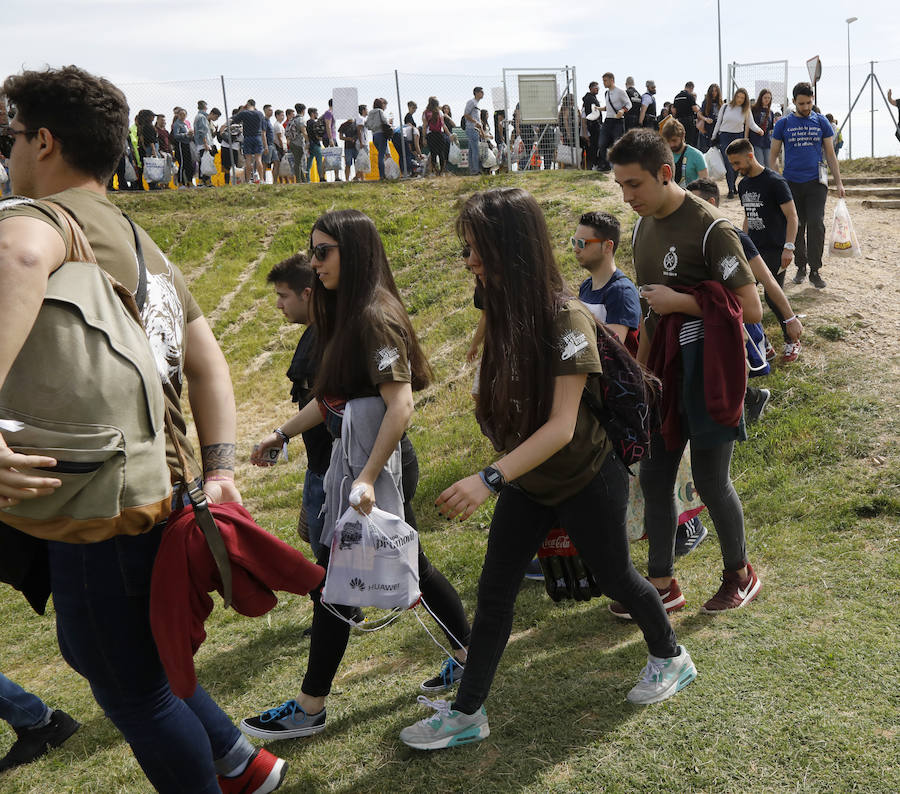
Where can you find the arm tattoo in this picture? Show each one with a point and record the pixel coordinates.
(217, 456)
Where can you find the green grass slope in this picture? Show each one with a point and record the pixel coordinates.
(795, 693)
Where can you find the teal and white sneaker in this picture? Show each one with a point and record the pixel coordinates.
(662, 678)
(446, 728)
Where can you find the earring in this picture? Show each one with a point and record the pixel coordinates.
(665, 181)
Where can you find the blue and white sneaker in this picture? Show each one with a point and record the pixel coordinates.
(287, 721)
(662, 678)
(450, 675)
(689, 535)
(445, 728)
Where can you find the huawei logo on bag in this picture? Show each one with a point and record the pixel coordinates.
(357, 584)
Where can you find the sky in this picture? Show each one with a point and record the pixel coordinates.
(131, 41)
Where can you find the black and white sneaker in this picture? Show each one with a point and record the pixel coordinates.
(287, 721)
(756, 404)
(689, 535)
(451, 673)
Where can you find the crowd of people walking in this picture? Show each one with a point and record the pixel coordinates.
(359, 362)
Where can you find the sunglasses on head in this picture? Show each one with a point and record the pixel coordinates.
(580, 242)
(320, 251)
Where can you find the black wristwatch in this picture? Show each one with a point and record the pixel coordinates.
(492, 477)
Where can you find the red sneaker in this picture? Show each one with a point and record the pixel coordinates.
(264, 773)
(734, 592)
(672, 599)
(791, 352)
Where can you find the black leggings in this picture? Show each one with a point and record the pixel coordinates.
(330, 634)
(185, 164)
(595, 520)
(438, 148)
(712, 479)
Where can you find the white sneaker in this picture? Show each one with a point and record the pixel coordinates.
(662, 678)
(446, 727)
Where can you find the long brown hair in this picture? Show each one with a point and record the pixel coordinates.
(757, 106)
(523, 293)
(366, 300)
(708, 101)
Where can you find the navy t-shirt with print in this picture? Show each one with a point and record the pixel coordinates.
(617, 303)
(762, 197)
(252, 122)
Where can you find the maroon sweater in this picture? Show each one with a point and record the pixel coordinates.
(724, 367)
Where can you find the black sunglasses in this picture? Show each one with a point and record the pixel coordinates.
(466, 251)
(8, 138)
(320, 251)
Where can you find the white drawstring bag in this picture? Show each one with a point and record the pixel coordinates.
(455, 154)
(843, 240)
(374, 562)
(714, 163)
(332, 158)
(391, 169)
(155, 169)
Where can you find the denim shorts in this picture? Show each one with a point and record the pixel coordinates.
(252, 145)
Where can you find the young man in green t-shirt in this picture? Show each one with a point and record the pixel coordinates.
(681, 244)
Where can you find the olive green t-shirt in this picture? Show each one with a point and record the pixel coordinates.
(570, 469)
(695, 243)
(169, 306)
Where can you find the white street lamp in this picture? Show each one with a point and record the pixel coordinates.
(850, 21)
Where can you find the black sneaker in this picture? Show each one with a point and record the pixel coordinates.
(287, 721)
(756, 404)
(816, 280)
(450, 675)
(689, 535)
(32, 743)
(800, 275)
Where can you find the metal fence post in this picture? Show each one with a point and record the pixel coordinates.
(227, 114)
(872, 102)
(402, 151)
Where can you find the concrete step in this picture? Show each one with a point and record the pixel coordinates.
(869, 180)
(881, 204)
(873, 191)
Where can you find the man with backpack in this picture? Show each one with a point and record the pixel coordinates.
(696, 289)
(68, 136)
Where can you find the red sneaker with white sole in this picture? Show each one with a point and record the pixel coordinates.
(672, 598)
(264, 773)
(734, 592)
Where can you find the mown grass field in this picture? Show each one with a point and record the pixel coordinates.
(798, 692)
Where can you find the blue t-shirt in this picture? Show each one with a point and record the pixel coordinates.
(750, 250)
(802, 139)
(617, 302)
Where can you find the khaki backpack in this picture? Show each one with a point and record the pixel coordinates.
(86, 391)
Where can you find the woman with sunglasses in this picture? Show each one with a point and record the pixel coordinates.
(366, 348)
(539, 349)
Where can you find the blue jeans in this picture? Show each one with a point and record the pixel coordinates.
(473, 139)
(315, 152)
(313, 502)
(19, 708)
(101, 592)
(380, 139)
(762, 155)
(724, 139)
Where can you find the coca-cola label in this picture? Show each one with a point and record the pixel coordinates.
(557, 543)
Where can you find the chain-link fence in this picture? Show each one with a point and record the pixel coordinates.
(757, 77)
(541, 106)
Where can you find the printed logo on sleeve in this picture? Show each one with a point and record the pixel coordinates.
(727, 266)
(571, 344)
(670, 262)
(387, 357)
(8, 204)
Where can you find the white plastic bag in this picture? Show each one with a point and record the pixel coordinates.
(714, 163)
(155, 169)
(332, 157)
(130, 173)
(208, 164)
(391, 169)
(374, 562)
(488, 158)
(843, 240)
(455, 154)
(363, 163)
(4, 177)
(566, 155)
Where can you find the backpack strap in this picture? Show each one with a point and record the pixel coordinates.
(80, 250)
(709, 230)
